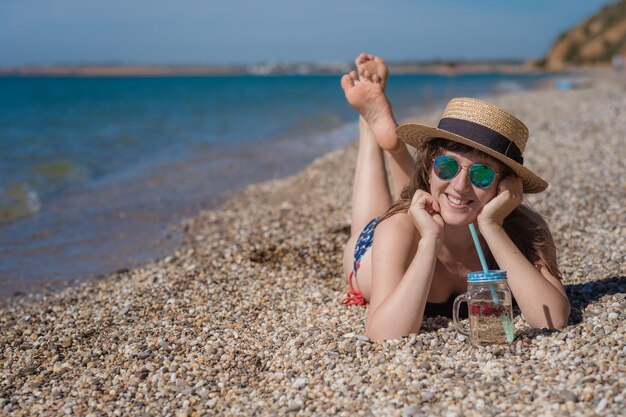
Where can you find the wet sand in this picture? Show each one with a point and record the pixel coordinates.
(245, 319)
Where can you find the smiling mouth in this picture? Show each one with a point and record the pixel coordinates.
(457, 202)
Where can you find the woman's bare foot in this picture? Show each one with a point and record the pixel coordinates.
(373, 68)
(367, 96)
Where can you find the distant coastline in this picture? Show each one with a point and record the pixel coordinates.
(332, 68)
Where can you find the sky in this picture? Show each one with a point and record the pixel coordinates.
(38, 32)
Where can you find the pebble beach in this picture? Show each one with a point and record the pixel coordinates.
(245, 317)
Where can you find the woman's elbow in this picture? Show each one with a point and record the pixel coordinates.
(383, 331)
(376, 335)
(552, 318)
(564, 318)
(382, 336)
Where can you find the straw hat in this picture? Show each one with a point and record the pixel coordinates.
(482, 126)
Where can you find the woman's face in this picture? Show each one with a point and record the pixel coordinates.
(459, 199)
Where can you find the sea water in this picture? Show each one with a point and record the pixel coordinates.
(94, 169)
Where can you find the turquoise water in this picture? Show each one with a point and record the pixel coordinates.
(83, 161)
(56, 133)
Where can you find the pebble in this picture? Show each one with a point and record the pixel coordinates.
(410, 411)
(144, 354)
(601, 405)
(293, 408)
(299, 383)
(571, 397)
(142, 373)
(165, 344)
(245, 317)
(29, 369)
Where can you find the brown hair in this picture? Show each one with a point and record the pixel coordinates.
(526, 228)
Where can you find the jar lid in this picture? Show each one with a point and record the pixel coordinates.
(489, 276)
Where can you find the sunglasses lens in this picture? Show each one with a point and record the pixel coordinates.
(445, 167)
(482, 176)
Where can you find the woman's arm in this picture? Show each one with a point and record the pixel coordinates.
(539, 294)
(402, 269)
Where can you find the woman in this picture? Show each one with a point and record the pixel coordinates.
(468, 170)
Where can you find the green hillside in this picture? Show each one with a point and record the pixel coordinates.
(594, 41)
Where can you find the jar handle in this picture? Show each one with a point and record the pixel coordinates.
(455, 313)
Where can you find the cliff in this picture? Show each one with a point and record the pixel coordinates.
(594, 41)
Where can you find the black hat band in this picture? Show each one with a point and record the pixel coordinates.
(483, 135)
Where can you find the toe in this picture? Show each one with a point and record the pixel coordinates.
(347, 82)
(353, 75)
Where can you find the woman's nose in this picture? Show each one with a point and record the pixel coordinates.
(461, 181)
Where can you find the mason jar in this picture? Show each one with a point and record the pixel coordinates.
(490, 308)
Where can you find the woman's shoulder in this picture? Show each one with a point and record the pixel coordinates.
(395, 238)
(397, 226)
(401, 219)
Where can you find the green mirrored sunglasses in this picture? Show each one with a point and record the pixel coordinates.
(480, 175)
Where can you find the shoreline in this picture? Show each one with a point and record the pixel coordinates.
(41, 246)
(450, 68)
(245, 316)
(446, 68)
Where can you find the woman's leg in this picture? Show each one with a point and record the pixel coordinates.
(382, 122)
(371, 195)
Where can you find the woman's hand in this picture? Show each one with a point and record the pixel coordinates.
(510, 195)
(424, 212)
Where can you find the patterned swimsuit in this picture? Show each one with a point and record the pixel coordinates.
(364, 242)
(355, 297)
